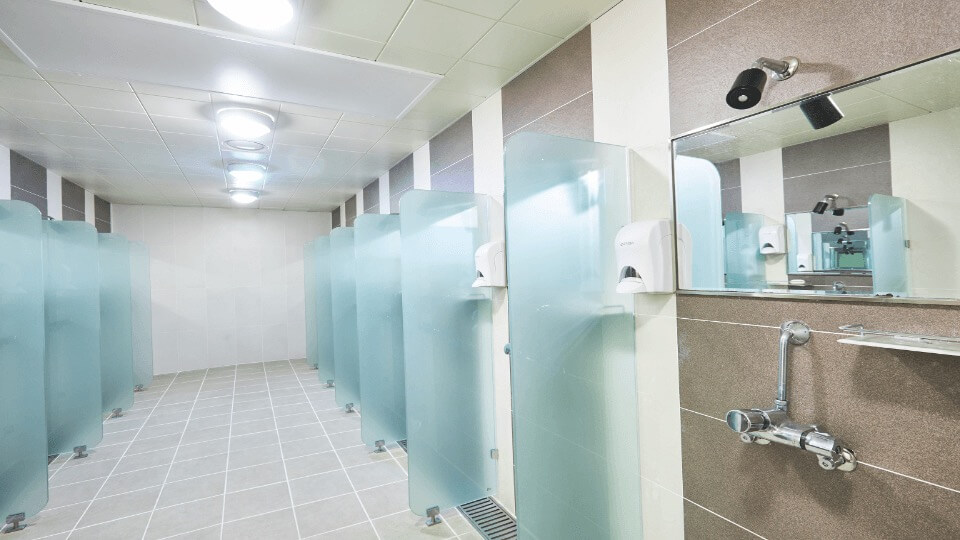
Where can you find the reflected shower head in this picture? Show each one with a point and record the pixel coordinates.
(821, 112)
(828, 202)
(748, 88)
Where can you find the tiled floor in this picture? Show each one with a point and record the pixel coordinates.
(255, 451)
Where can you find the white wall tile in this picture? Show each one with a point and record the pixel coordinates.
(88, 208)
(54, 195)
(4, 173)
(421, 167)
(227, 283)
(385, 193)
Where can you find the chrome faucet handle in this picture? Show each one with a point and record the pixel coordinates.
(747, 421)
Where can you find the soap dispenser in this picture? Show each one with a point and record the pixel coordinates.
(773, 240)
(645, 257)
(491, 265)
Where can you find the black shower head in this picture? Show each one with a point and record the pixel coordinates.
(828, 202)
(821, 112)
(820, 208)
(747, 89)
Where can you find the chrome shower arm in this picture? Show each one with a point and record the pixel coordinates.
(781, 69)
(795, 333)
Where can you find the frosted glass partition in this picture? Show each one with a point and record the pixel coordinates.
(23, 427)
(888, 236)
(343, 294)
(572, 341)
(116, 332)
(325, 364)
(447, 350)
(141, 316)
(380, 329)
(72, 310)
(310, 299)
(745, 266)
(699, 224)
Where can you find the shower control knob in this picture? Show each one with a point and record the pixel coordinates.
(746, 421)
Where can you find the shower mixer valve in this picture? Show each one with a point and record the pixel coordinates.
(763, 426)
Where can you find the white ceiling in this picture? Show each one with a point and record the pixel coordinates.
(154, 144)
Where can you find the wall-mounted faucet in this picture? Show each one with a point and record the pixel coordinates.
(774, 425)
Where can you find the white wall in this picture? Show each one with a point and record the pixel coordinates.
(5, 173)
(924, 160)
(54, 195)
(384, 187)
(421, 167)
(89, 210)
(631, 108)
(761, 182)
(227, 283)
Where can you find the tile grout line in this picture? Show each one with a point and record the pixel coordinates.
(226, 468)
(342, 467)
(85, 510)
(548, 113)
(183, 434)
(286, 475)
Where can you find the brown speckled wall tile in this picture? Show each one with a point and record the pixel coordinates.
(336, 218)
(839, 42)
(781, 492)
(371, 196)
(702, 525)
(687, 17)
(452, 144)
(350, 211)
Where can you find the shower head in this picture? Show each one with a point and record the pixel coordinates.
(821, 112)
(828, 202)
(841, 228)
(748, 88)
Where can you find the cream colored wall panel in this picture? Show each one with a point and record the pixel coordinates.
(761, 189)
(4, 173)
(421, 167)
(384, 189)
(89, 208)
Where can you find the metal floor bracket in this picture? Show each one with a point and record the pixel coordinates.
(138, 388)
(381, 447)
(329, 383)
(403, 444)
(14, 522)
(80, 452)
(490, 519)
(116, 413)
(348, 407)
(433, 516)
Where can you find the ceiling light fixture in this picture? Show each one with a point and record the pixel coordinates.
(245, 146)
(258, 14)
(244, 196)
(245, 123)
(246, 172)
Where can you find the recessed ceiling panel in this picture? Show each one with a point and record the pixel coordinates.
(130, 47)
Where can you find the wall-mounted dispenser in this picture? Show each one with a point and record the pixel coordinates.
(645, 258)
(773, 240)
(491, 265)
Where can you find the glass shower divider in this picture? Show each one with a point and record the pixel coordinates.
(116, 331)
(310, 299)
(141, 315)
(343, 295)
(572, 353)
(324, 310)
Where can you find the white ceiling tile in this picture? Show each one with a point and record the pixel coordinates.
(412, 58)
(185, 125)
(368, 19)
(351, 145)
(367, 119)
(227, 100)
(11, 65)
(440, 29)
(335, 42)
(59, 112)
(355, 130)
(170, 91)
(61, 128)
(556, 17)
(28, 89)
(442, 104)
(333, 163)
(476, 79)
(180, 108)
(199, 142)
(511, 47)
(404, 135)
(104, 117)
(305, 124)
(398, 149)
(306, 110)
(492, 9)
(299, 138)
(178, 10)
(130, 135)
(79, 143)
(100, 98)
(282, 151)
(85, 80)
(211, 18)
(133, 148)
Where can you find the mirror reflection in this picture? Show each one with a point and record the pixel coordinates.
(868, 205)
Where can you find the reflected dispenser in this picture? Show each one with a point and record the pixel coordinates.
(491, 265)
(645, 257)
(773, 240)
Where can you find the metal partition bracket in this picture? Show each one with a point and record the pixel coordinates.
(433, 516)
(381, 447)
(116, 413)
(348, 407)
(138, 388)
(80, 452)
(14, 521)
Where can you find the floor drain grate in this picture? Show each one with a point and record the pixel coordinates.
(490, 519)
(403, 444)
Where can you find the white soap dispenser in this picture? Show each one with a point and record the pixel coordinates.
(773, 240)
(645, 257)
(491, 265)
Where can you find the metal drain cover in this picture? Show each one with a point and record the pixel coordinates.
(490, 519)
(403, 444)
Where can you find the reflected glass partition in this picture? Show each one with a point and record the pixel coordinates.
(343, 295)
(325, 365)
(142, 317)
(310, 299)
(72, 311)
(116, 332)
(572, 341)
(447, 350)
(380, 328)
(23, 427)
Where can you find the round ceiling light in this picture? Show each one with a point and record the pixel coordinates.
(246, 172)
(245, 124)
(257, 14)
(244, 196)
(245, 146)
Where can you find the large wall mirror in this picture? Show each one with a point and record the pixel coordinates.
(868, 205)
